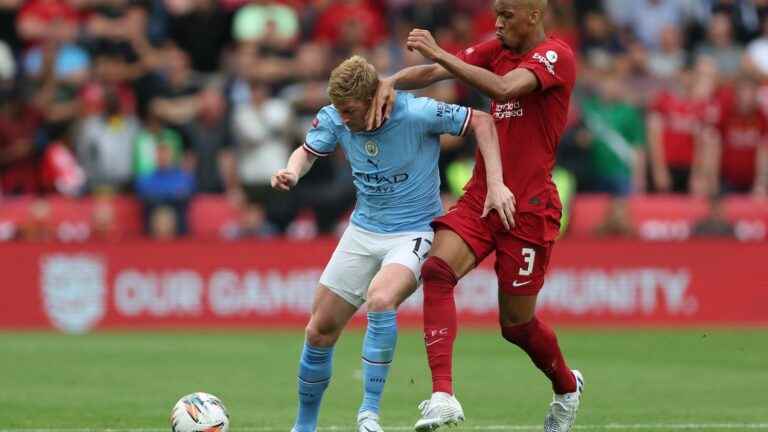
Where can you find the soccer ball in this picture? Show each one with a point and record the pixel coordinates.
(199, 412)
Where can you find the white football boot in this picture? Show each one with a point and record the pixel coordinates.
(368, 421)
(440, 410)
(562, 410)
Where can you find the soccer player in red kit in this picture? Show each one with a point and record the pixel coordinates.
(529, 78)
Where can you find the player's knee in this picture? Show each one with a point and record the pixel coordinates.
(515, 318)
(516, 333)
(437, 274)
(320, 336)
(381, 301)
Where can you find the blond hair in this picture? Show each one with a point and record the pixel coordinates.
(353, 79)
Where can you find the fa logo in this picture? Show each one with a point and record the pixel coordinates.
(371, 148)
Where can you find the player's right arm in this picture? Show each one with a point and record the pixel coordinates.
(299, 164)
(320, 142)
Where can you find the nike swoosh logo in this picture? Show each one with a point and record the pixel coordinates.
(519, 284)
(434, 342)
(369, 430)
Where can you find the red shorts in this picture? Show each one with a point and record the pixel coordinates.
(520, 264)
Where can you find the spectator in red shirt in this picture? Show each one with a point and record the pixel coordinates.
(743, 143)
(345, 22)
(19, 130)
(674, 122)
(38, 18)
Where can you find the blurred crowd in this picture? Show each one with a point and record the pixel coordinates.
(165, 99)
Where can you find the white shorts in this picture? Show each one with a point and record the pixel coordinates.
(360, 254)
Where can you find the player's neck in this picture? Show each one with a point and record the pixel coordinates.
(535, 39)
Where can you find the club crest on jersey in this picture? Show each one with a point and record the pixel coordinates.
(371, 148)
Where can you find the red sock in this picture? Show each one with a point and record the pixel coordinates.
(540, 343)
(439, 321)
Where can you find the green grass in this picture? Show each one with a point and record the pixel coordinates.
(131, 380)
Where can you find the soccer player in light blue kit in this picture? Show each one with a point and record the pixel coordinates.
(377, 261)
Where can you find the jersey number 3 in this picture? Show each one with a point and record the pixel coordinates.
(529, 255)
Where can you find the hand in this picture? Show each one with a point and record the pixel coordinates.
(501, 199)
(284, 180)
(382, 103)
(423, 42)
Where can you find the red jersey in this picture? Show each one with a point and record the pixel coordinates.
(742, 135)
(23, 174)
(682, 118)
(529, 129)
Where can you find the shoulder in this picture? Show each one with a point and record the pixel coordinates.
(408, 103)
(488, 47)
(421, 108)
(328, 113)
(405, 106)
(482, 54)
(552, 51)
(328, 117)
(403, 101)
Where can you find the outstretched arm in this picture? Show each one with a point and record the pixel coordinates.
(416, 77)
(516, 83)
(498, 197)
(298, 164)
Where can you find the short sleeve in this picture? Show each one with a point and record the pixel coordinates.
(321, 139)
(481, 54)
(440, 117)
(553, 65)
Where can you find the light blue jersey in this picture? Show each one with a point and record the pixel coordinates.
(394, 167)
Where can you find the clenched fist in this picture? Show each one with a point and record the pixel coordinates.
(284, 180)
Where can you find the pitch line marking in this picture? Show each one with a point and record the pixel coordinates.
(608, 427)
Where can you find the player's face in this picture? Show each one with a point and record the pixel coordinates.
(353, 112)
(515, 20)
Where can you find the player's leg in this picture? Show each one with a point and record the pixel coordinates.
(520, 326)
(393, 284)
(521, 267)
(340, 294)
(330, 313)
(451, 258)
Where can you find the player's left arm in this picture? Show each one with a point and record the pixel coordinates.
(516, 83)
(443, 118)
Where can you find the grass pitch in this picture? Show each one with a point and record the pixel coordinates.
(649, 380)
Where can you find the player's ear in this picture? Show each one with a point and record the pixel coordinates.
(536, 16)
